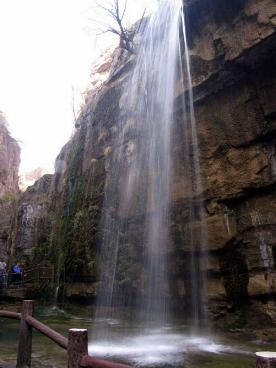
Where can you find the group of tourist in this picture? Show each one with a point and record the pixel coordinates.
(17, 272)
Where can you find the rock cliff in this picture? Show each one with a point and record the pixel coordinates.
(9, 160)
(233, 56)
(233, 53)
(9, 164)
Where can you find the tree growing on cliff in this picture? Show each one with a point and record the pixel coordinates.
(117, 13)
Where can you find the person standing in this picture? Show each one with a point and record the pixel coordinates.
(3, 273)
(17, 273)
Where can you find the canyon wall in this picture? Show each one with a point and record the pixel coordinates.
(233, 56)
(9, 160)
(9, 164)
(233, 53)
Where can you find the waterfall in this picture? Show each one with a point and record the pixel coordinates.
(265, 250)
(197, 236)
(136, 215)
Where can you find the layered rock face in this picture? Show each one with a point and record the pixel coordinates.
(9, 164)
(233, 54)
(235, 83)
(31, 225)
(9, 160)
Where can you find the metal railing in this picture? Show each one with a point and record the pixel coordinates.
(29, 276)
(76, 345)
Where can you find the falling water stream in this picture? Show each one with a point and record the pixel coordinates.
(136, 216)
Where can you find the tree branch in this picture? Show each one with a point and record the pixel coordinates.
(126, 36)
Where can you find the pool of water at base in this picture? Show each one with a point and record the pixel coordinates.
(169, 346)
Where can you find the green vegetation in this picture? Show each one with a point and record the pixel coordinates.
(9, 197)
(77, 218)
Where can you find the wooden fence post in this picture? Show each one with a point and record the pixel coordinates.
(265, 359)
(77, 346)
(24, 352)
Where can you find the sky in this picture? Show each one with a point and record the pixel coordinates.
(47, 49)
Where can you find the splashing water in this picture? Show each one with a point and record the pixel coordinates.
(136, 220)
(160, 347)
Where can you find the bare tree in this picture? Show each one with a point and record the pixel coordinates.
(117, 14)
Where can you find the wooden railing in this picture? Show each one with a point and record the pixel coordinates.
(76, 345)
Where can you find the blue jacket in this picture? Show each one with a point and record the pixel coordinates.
(16, 269)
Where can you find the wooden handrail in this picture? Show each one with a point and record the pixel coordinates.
(10, 315)
(90, 362)
(47, 331)
(76, 345)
